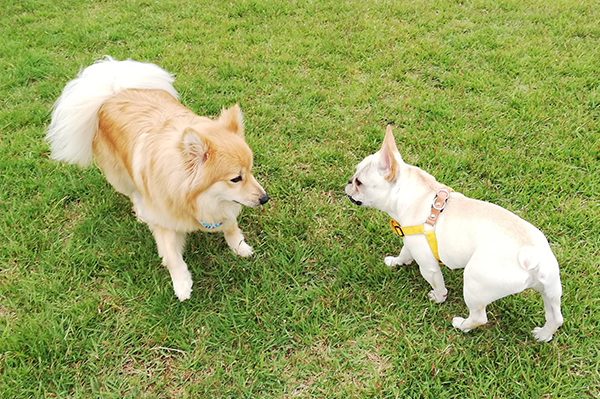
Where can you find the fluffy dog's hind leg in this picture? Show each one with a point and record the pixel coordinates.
(170, 248)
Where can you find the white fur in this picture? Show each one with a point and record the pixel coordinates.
(501, 253)
(74, 117)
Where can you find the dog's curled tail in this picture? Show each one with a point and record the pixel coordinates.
(75, 113)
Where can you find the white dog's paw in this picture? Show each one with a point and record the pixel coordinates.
(457, 323)
(183, 286)
(401, 259)
(391, 260)
(438, 297)
(541, 334)
(243, 249)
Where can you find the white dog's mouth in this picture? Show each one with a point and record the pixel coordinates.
(355, 202)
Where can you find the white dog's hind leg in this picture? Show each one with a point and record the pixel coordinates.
(405, 258)
(477, 317)
(476, 302)
(554, 319)
(547, 282)
(170, 248)
(235, 240)
(477, 295)
(484, 281)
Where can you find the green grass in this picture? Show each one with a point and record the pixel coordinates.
(498, 99)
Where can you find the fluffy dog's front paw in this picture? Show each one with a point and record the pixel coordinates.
(183, 286)
(438, 297)
(243, 249)
(457, 323)
(541, 334)
(137, 214)
(391, 260)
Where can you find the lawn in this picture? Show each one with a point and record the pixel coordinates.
(498, 99)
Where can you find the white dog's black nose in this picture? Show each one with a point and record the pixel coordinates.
(355, 181)
(263, 199)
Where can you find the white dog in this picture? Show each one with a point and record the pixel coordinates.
(501, 253)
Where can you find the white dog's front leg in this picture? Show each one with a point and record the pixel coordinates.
(430, 270)
(170, 248)
(235, 240)
(404, 258)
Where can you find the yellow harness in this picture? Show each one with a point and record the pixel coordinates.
(438, 205)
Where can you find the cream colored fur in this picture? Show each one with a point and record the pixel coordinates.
(178, 169)
(501, 253)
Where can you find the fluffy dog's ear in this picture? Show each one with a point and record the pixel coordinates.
(195, 148)
(233, 120)
(387, 155)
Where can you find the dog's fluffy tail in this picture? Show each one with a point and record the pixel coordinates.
(75, 114)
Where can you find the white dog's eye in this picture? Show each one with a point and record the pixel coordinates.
(236, 180)
(358, 182)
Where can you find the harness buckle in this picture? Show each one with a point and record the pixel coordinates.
(438, 205)
(396, 228)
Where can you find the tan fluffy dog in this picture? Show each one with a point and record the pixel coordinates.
(182, 172)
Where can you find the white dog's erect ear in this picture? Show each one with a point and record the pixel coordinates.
(195, 148)
(387, 155)
(233, 119)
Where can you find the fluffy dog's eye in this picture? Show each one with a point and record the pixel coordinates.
(358, 182)
(236, 180)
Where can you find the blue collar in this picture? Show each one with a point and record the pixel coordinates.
(210, 226)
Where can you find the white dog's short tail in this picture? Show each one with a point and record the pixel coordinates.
(529, 258)
(75, 114)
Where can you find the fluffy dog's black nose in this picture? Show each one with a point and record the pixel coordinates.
(350, 181)
(263, 199)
